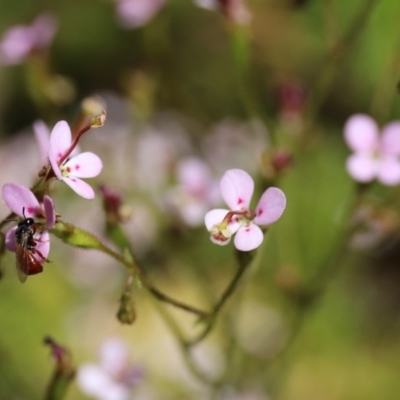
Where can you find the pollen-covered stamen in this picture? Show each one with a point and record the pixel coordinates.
(220, 234)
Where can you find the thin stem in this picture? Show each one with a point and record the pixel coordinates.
(334, 59)
(220, 303)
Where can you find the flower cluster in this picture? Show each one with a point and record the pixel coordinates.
(30, 238)
(376, 156)
(237, 189)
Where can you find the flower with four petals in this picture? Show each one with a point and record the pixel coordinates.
(237, 188)
(376, 156)
(71, 169)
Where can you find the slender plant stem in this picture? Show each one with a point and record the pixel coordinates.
(228, 292)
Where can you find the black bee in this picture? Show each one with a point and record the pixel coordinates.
(26, 262)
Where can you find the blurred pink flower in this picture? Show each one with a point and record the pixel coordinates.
(375, 155)
(70, 170)
(136, 13)
(237, 188)
(114, 376)
(21, 40)
(195, 193)
(235, 10)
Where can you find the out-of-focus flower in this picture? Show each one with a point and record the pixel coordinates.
(70, 170)
(195, 193)
(23, 203)
(375, 156)
(21, 40)
(114, 377)
(235, 10)
(237, 188)
(136, 13)
(246, 140)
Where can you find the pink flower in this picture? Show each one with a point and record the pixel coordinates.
(136, 13)
(235, 10)
(70, 170)
(21, 40)
(237, 188)
(23, 202)
(114, 377)
(195, 193)
(375, 156)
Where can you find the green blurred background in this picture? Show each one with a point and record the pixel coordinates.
(315, 317)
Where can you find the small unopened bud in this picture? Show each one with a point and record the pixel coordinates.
(126, 313)
(99, 120)
(115, 210)
(92, 105)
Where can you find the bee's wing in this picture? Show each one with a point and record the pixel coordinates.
(22, 262)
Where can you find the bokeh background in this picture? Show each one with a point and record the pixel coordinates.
(316, 315)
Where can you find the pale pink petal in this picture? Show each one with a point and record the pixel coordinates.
(237, 188)
(10, 239)
(16, 44)
(43, 245)
(49, 211)
(20, 200)
(216, 216)
(389, 171)
(42, 134)
(80, 187)
(114, 356)
(270, 207)
(248, 237)
(362, 167)
(194, 175)
(390, 141)
(60, 140)
(136, 13)
(362, 133)
(93, 380)
(45, 27)
(84, 165)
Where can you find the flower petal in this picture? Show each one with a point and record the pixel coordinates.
(237, 188)
(84, 165)
(20, 200)
(42, 134)
(361, 133)
(60, 140)
(80, 187)
(10, 239)
(390, 142)
(114, 356)
(362, 167)
(216, 216)
(42, 245)
(389, 171)
(270, 207)
(248, 237)
(49, 211)
(93, 380)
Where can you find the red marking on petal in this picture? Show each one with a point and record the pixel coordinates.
(30, 210)
(68, 169)
(77, 167)
(240, 201)
(259, 212)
